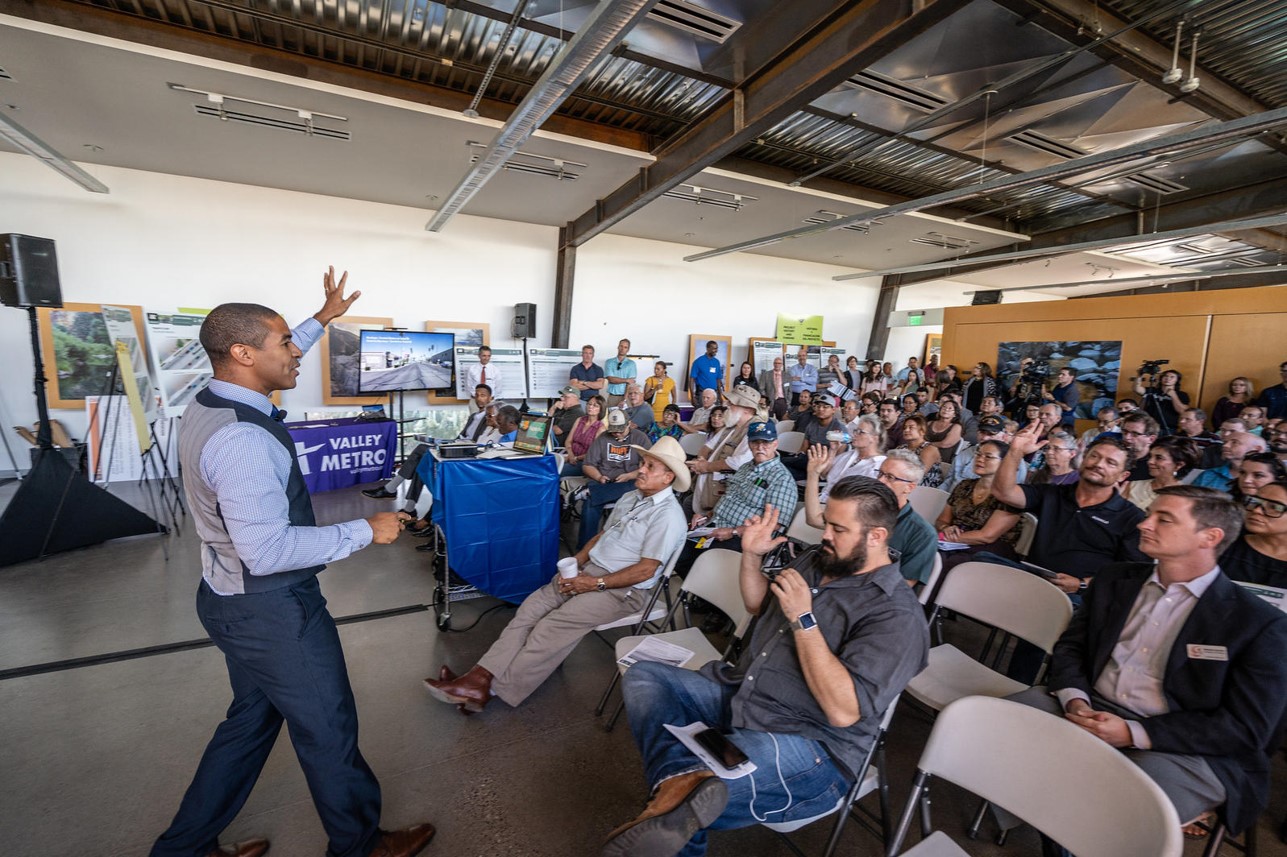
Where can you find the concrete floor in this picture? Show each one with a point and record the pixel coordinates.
(94, 758)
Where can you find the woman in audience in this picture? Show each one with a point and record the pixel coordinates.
(1260, 554)
(870, 403)
(659, 390)
(803, 411)
(853, 375)
(974, 517)
(1227, 407)
(873, 380)
(980, 385)
(953, 384)
(1031, 412)
(914, 440)
(1059, 461)
(668, 427)
(583, 433)
(746, 377)
(915, 380)
(1257, 470)
(1169, 461)
(716, 420)
(863, 458)
(944, 431)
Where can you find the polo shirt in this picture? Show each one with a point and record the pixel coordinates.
(1219, 478)
(916, 543)
(1080, 541)
(612, 457)
(619, 369)
(580, 372)
(707, 373)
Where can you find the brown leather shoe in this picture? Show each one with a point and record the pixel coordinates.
(682, 806)
(403, 843)
(249, 848)
(473, 690)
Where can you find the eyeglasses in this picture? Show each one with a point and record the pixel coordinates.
(1129, 433)
(987, 458)
(1270, 508)
(881, 474)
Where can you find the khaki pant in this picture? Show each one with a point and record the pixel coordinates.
(547, 627)
(613, 401)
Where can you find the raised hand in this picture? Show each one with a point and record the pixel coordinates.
(1027, 439)
(819, 459)
(336, 304)
(757, 532)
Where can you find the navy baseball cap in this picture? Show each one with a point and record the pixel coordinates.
(992, 424)
(762, 430)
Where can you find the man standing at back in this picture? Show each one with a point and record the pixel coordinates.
(259, 597)
(706, 373)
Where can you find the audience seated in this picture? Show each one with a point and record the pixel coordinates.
(802, 411)
(1237, 446)
(1169, 463)
(1139, 431)
(836, 641)
(915, 443)
(823, 423)
(1277, 439)
(1177, 666)
(1241, 393)
(507, 420)
(668, 426)
(564, 415)
(610, 465)
(1256, 470)
(863, 457)
(991, 427)
(1058, 461)
(584, 430)
(945, 431)
(974, 517)
(637, 410)
(1253, 416)
(759, 483)
(1193, 425)
(700, 420)
(892, 421)
(1260, 553)
(616, 570)
(725, 451)
(1106, 422)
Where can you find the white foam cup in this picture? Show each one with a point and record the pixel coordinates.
(568, 567)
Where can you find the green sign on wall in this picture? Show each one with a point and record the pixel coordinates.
(800, 331)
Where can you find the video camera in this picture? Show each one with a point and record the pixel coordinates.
(1151, 367)
(1032, 382)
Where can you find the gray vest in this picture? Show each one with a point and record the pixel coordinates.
(220, 565)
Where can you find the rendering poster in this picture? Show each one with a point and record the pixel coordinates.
(508, 362)
(392, 360)
(1097, 365)
(548, 370)
(339, 349)
(764, 352)
(112, 445)
(79, 350)
(182, 366)
(467, 333)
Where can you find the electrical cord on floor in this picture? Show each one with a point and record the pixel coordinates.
(477, 618)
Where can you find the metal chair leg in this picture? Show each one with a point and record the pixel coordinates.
(603, 700)
(977, 822)
(612, 721)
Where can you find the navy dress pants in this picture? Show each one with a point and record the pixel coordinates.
(285, 664)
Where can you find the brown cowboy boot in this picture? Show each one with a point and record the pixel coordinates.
(680, 807)
(472, 690)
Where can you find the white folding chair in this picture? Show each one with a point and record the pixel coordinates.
(869, 779)
(715, 577)
(926, 595)
(652, 611)
(1037, 765)
(802, 530)
(791, 441)
(692, 444)
(928, 502)
(1027, 532)
(1007, 599)
(785, 426)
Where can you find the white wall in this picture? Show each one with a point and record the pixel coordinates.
(164, 241)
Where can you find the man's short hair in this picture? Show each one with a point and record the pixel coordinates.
(483, 348)
(1130, 402)
(626, 341)
(1107, 409)
(509, 413)
(874, 504)
(892, 402)
(671, 409)
(584, 347)
(1198, 414)
(487, 387)
(711, 342)
(1210, 508)
(1141, 419)
(911, 459)
(234, 324)
(1071, 372)
(1115, 443)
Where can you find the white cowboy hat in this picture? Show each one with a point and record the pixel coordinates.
(670, 453)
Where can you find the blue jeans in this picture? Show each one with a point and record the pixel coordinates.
(794, 777)
(285, 664)
(601, 494)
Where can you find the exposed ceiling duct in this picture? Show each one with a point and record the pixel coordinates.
(602, 31)
(47, 155)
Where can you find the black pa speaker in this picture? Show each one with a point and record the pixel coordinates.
(986, 298)
(28, 272)
(524, 321)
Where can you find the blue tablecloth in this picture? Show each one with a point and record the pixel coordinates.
(339, 453)
(501, 520)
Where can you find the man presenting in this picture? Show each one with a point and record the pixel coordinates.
(1176, 665)
(259, 599)
(616, 570)
(839, 636)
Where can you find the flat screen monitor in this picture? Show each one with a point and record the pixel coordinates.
(533, 433)
(406, 360)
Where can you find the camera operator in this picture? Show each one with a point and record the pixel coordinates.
(1066, 395)
(1027, 387)
(1164, 401)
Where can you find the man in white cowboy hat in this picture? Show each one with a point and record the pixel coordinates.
(726, 451)
(616, 570)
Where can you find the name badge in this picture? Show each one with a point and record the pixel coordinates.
(1207, 653)
(711, 370)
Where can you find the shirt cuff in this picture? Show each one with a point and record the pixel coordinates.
(359, 533)
(1139, 735)
(1068, 694)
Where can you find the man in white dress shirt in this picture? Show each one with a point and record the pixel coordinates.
(483, 372)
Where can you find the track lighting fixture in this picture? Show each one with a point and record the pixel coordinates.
(1173, 75)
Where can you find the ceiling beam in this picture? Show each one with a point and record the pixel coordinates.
(116, 25)
(861, 34)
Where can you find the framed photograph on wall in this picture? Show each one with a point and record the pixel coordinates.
(697, 348)
(77, 349)
(933, 348)
(468, 333)
(339, 349)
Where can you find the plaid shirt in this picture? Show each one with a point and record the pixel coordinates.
(753, 485)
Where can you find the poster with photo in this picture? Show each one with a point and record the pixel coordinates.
(507, 364)
(764, 352)
(182, 365)
(467, 333)
(1097, 365)
(339, 350)
(79, 352)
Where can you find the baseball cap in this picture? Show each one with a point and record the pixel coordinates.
(992, 425)
(569, 390)
(617, 418)
(762, 430)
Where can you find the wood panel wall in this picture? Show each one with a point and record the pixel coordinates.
(1210, 337)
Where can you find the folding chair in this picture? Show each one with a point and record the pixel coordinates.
(928, 502)
(714, 577)
(652, 611)
(869, 779)
(802, 530)
(1007, 599)
(791, 441)
(926, 595)
(785, 425)
(692, 444)
(1037, 766)
(1027, 532)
